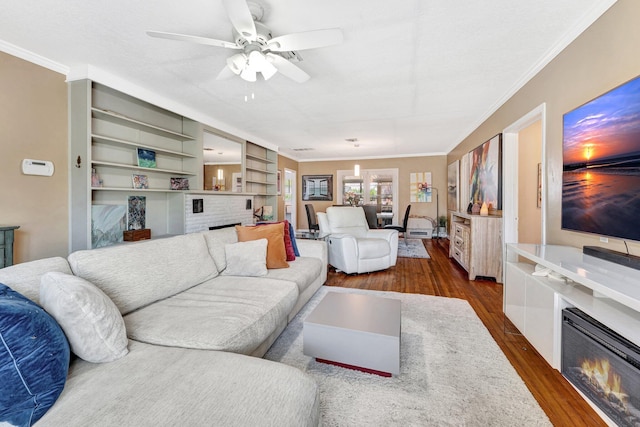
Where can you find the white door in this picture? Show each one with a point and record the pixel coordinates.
(289, 194)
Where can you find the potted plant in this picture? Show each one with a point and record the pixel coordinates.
(442, 226)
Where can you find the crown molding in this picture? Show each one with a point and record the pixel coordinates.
(21, 53)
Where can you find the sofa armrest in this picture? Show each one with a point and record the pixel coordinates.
(315, 249)
(312, 248)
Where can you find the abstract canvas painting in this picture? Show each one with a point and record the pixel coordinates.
(136, 213)
(485, 174)
(146, 158)
(420, 187)
(107, 224)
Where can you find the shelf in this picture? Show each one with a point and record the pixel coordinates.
(138, 168)
(260, 171)
(259, 159)
(138, 190)
(129, 122)
(621, 284)
(250, 181)
(109, 140)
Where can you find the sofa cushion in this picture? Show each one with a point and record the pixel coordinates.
(288, 245)
(25, 277)
(294, 243)
(162, 386)
(216, 239)
(227, 313)
(303, 271)
(274, 233)
(90, 320)
(34, 359)
(246, 258)
(136, 274)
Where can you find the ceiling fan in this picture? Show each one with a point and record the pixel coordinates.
(259, 51)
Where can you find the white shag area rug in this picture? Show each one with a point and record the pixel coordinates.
(452, 372)
(413, 249)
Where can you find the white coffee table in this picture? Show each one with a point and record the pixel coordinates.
(355, 331)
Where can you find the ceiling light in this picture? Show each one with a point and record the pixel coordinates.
(356, 170)
(237, 63)
(248, 74)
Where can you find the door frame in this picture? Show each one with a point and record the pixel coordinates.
(510, 175)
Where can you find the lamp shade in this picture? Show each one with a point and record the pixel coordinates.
(356, 170)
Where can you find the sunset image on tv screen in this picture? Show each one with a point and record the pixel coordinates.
(601, 164)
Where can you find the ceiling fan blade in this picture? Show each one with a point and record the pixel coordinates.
(306, 40)
(241, 18)
(288, 69)
(193, 39)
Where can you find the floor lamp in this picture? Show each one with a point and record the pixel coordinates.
(437, 212)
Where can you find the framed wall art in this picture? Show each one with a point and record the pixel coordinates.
(485, 174)
(317, 187)
(420, 187)
(453, 172)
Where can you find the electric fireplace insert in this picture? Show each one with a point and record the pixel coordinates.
(603, 365)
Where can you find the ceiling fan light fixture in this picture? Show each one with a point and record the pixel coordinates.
(248, 74)
(237, 63)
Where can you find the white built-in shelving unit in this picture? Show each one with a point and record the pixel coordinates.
(107, 129)
(261, 175)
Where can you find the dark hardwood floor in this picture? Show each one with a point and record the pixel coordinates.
(441, 276)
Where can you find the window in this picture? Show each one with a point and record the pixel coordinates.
(373, 187)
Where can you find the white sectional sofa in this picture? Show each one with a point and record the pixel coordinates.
(193, 334)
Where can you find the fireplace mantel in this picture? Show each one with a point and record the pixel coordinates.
(604, 290)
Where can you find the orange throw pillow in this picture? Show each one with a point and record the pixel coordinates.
(276, 253)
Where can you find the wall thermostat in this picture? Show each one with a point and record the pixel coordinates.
(37, 167)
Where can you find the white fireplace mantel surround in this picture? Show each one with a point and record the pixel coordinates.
(608, 292)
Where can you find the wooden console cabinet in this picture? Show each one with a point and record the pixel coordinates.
(476, 244)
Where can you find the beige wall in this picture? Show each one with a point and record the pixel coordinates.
(601, 58)
(437, 165)
(529, 157)
(33, 125)
(211, 171)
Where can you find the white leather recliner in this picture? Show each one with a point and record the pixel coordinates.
(353, 247)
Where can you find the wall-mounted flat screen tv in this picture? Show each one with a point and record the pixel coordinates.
(601, 165)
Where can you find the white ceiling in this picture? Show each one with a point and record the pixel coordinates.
(412, 77)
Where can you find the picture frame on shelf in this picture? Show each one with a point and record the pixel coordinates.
(146, 158)
(179, 183)
(140, 182)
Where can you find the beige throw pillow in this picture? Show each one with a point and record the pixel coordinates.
(246, 258)
(90, 320)
(274, 233)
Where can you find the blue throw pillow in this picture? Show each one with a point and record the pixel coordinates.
(292, 234)
(34, 359)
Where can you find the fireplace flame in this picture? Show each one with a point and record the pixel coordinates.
(601, 375)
